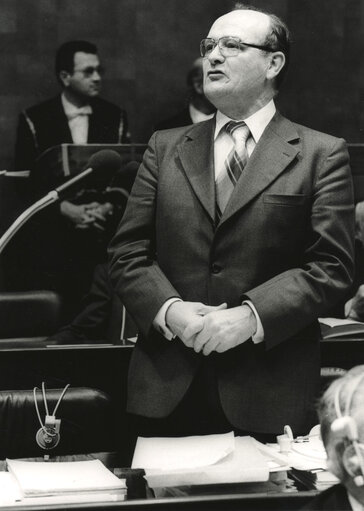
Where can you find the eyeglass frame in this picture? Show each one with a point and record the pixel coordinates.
(238, 40)
(90, 70)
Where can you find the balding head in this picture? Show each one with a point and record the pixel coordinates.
(241, 83)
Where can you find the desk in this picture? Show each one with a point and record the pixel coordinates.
(248, 498)
(102, 366)
(105, 367)
(344, 352)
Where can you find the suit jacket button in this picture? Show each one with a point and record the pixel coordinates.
(215, 268)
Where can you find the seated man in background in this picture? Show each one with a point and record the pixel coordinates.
(77, 115)
(198, 107)
(341, 413)
(66, 242)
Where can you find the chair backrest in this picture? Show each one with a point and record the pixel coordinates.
(86, 422)
(29, 313)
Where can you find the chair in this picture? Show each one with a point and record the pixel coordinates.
(29, 315)
(86, 422)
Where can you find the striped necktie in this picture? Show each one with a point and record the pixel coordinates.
(233, 166)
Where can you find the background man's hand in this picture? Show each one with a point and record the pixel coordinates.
(356, 306)
(85, 216)
(225, 329)
(181, 315)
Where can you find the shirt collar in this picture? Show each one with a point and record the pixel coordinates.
(71, 110)
(256, 122)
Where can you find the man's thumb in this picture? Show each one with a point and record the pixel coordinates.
(211, 308)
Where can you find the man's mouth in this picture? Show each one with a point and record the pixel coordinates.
(215, 74)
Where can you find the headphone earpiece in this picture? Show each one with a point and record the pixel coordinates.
(359, 480)
(345, 426)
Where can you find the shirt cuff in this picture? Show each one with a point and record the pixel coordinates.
(159, 321)
(258, 337)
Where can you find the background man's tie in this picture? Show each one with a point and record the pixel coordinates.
(234, 164)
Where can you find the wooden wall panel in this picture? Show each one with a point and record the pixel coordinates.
(148, 45)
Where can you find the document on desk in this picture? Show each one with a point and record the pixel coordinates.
(209, 459)
(56, 478)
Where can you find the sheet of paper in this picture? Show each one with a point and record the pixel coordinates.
(10, 493)
(180, 453)
(48, 478)
(244, 464)
(309, 455)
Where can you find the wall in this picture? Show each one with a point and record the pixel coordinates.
(148, 45)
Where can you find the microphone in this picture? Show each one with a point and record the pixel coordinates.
(104, 161)
(121, 183)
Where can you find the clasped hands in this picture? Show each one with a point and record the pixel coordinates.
(86, 216)
(207, 328)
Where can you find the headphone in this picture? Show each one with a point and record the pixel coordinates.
(48, 435)
(345, 426)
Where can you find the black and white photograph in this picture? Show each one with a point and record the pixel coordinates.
(182, 255)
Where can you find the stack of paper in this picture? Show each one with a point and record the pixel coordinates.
(70, 481)
(209, 459)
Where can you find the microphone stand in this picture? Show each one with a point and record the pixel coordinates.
(50, 198)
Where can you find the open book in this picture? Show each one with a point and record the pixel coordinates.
(334, 327)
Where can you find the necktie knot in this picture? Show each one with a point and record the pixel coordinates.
(238, 130)
(76, 112)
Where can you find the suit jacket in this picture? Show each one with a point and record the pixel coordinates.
(332, 499)
(45, 125)
(285, 241)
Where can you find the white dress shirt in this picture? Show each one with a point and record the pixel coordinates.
(223, 143)
(78, 120)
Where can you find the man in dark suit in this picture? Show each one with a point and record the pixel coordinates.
(77, 116)
(198, 107)
(66, 241)
(341, 412)
(224, 282)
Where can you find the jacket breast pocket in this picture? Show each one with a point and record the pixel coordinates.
(288, 200)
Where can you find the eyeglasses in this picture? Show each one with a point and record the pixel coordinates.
(89, 71)
(229, 46)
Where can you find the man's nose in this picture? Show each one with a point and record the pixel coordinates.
(215, 55)
(96, 76)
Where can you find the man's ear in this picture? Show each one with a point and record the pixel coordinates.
(334, 463)
(352, 465)
(197, 84)
(65, 78)
(276, 63)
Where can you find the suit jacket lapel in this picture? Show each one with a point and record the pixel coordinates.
(64, 133)
(197, 157)
(270, 158)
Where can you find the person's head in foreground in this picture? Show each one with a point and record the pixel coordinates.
(341, 413)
